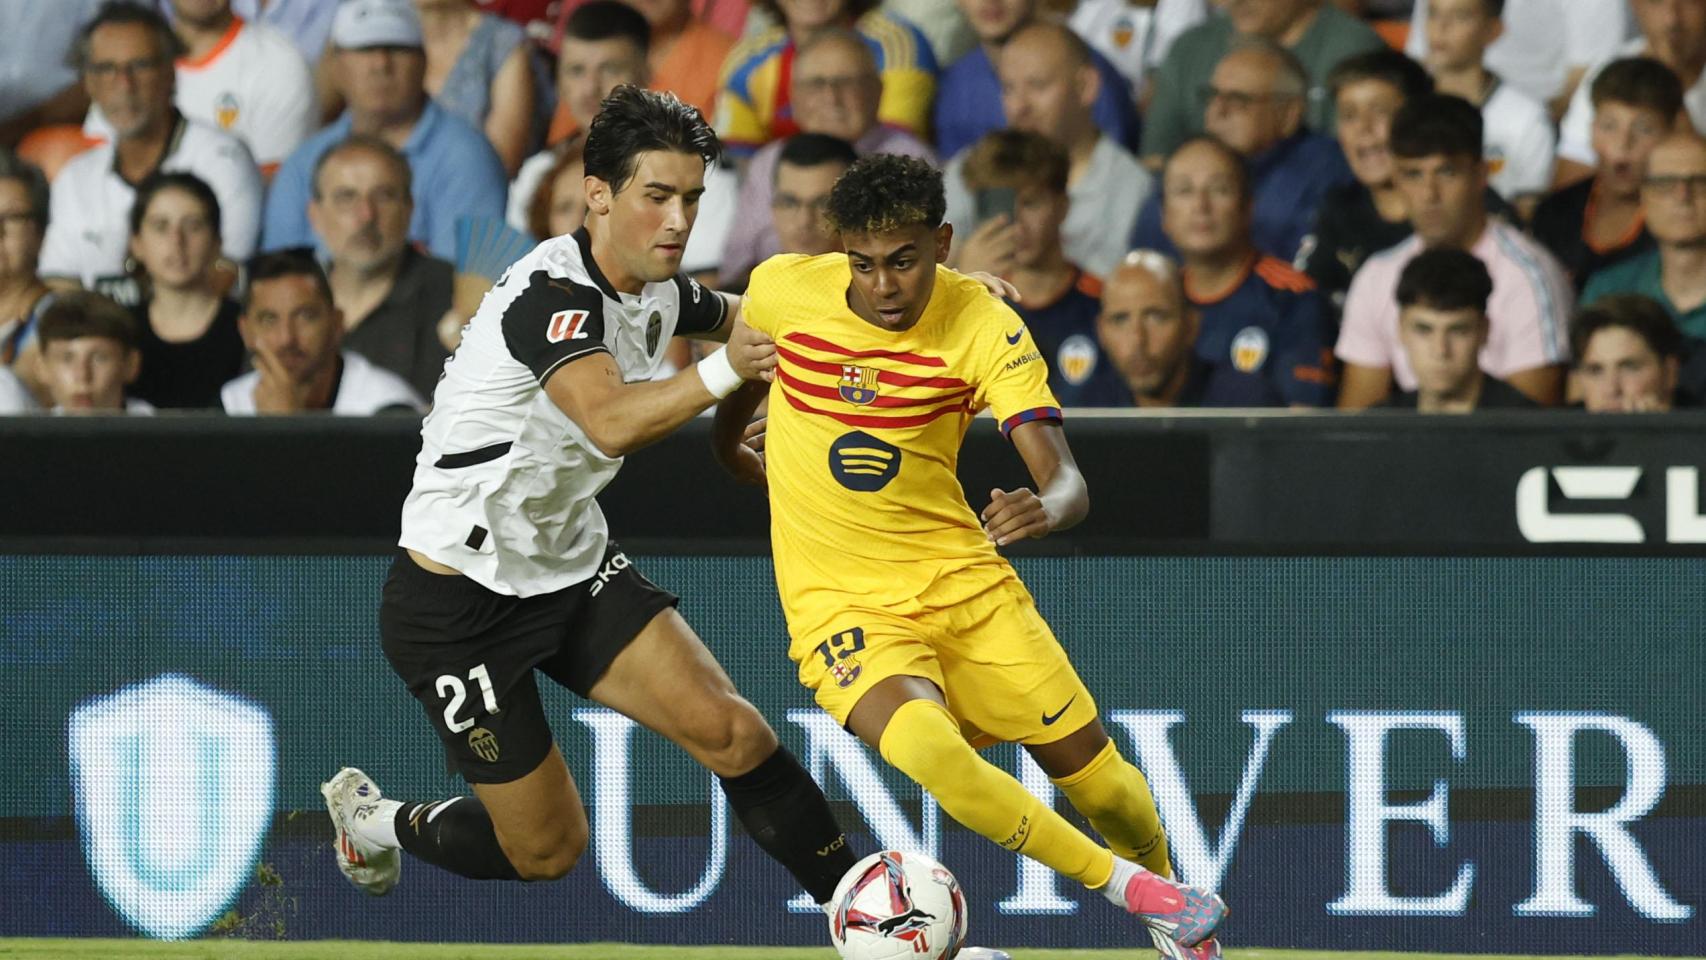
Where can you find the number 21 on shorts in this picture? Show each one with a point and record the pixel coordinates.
(450, 685)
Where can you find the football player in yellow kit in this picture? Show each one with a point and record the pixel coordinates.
(906, 622)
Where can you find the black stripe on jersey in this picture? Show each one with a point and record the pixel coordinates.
(701, 310)
(553, 321)
(583, 239)
(473, 458)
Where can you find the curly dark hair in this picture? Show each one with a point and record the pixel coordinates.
(634, 120)
(885, 192)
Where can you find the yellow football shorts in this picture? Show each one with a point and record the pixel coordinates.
(1004, 675)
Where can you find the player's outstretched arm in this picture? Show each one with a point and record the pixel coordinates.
(1065, 498)
(620, 418)
(737, 441)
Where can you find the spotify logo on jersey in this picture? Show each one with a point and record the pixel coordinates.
(861, 462)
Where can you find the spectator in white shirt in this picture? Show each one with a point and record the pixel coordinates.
(1548, 44)
(295, 335)
(1520, 144)
(125, 57)
(1673, 32)
(90, 354)
(244, 78)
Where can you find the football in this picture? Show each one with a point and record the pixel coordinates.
(893, 905)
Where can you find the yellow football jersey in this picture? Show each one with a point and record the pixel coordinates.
(864, 437)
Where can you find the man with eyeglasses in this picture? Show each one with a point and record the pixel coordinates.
(125, 58)
(1263, 330)
(1319, 34)
(391, 295)
(1256, 102)
(1673, 201)
(835, 90)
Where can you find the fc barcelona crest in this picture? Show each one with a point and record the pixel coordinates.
(858, 384)
(654, 330)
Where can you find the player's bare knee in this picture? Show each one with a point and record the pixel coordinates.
(549, 857)
(733, 738)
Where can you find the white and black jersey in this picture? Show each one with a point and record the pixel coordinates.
(505, 482)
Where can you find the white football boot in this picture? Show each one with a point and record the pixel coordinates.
(351, 796)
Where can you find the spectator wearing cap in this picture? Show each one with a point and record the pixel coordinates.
(1596, 223)
(90, 355)
(836, 90)
(1263, 328)
(1673, 32)
(1442, 172)
(1048, 87)
(1673, 201)
(968, 98)
(1442, 324)
(391, 296)
(39, 86)
(479, 67)
(755, 100)
(1520, 142)
(380, 64)
(1256, 107)
(1318, 33)
(294, 333)
(125, 57)
(1629, 356)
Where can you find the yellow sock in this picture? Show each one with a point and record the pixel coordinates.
(1113, 795)
(923, 741)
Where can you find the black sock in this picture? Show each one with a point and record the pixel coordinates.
(454, 834)
(783, 809)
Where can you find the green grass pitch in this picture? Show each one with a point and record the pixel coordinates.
(333, 950)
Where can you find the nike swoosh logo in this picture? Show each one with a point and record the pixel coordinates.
(1013, 338)
(1050, 718)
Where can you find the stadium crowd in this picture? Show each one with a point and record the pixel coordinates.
(277, 206)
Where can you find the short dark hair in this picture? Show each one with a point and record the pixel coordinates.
(1640, 315)
(14, 167)
(634, 120)
(126, 12)
(161, 181)
(1437, 124)
(815, 150)
(1239, 164)
(609, 20)
(82, 313)
(1015, 158)
(1493, 8)
(1386, 65)
(289, 262)
(885, 192)
(1445, 279)
(1639, 82)
(371, 144)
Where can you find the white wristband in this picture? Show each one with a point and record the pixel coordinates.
(719, 374)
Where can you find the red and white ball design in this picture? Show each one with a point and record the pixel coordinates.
(898, 906)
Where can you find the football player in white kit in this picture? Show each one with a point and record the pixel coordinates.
(507, 568)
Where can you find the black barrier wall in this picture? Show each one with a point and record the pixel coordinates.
(1288, 484)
